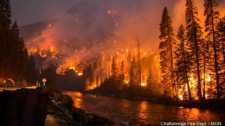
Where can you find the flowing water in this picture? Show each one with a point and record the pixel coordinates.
(140, 112)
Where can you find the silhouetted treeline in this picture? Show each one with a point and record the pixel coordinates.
(69, 81)
(15, 64)
(132, 86)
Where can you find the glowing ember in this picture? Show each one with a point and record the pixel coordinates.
(126, 81)
(52, 49)
(206, 96)
(72, 68)
(91, 87)
(180, 97)
(42, 54)
(80, 73)
(208, 78)
(143, 84)
(8, 81)
(32, 50)
(192, 79)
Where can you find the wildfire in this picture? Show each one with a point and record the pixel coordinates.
(7, 82)
(42, 54)
(191, 79)
(97, 58)
(80, 73)
(208, 78)
(143, 84)
(193, 85)
(32, 50)
(180, 97)
(91, 87)
(78, 59)
(126, 81)
(52, 49)
(72, 68)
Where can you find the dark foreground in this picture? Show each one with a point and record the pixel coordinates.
(23, 107)
(39, 107)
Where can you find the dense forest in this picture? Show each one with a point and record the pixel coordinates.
(192, 60)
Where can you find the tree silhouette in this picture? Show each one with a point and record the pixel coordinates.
(166, 52)
(194, 36)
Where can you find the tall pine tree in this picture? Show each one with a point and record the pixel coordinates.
(132, 73)
(207, 65)
(212, 16)
(13, 53)
(220, 38)
(5, 22)
(166, 53)
(194, 36)
(18, 55)
(139, 72)
(151, 82)
(33, 73)
(114, 69)
(183, 58)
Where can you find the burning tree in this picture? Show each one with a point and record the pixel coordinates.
(132, 72)
(139, 72)
(220, 39)
(183, 61)
(166, 52)
(199, 60)
(212, 16)
(194, 36)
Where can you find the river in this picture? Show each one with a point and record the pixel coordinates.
(140, 112)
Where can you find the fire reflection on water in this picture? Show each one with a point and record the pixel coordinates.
(143, 110)
(78, 102)
(140, 112)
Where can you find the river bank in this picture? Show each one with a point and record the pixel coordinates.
(61, 112)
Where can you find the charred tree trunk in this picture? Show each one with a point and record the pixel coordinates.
(139, 63)
(215, 54)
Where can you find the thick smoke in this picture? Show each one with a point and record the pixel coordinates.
(92, 27)
(96, 21)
